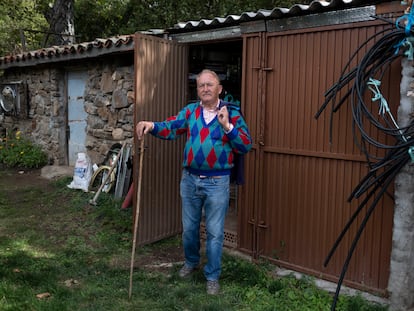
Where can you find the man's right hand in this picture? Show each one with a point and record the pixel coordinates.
(143, 127)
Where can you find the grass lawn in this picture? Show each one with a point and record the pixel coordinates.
(59, 253)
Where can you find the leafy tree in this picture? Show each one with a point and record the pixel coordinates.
(33, 24)
(100, 18)
(21, 26)
(103, 18)
(127, 16)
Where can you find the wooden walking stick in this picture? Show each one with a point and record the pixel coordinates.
(134, 241)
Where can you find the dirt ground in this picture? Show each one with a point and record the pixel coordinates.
(161, 258)
(22, 178)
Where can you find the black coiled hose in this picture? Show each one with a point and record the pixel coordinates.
(389, 45)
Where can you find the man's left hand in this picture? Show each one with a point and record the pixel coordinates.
(223, 118)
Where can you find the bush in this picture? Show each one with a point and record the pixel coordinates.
(19, 152)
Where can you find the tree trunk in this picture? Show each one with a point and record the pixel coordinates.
(61, 21)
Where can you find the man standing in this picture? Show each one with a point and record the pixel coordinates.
(215, 133)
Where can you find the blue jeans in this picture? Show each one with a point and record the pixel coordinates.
(212, 194)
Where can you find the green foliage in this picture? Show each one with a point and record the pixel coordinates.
(23, 25)
(357, 303)
(21, 19)
(99, 18)
(104, 18)
(20, 152)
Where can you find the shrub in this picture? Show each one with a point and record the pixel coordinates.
(19, 152)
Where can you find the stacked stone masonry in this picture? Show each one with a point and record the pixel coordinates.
(108, 101)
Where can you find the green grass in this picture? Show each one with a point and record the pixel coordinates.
(52, 241)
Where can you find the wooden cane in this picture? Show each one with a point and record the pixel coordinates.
(134, 241)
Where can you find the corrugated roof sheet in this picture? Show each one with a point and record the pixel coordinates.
(317, 6)
(123, 43)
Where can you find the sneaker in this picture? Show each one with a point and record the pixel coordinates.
(185, 271)
(213, 287)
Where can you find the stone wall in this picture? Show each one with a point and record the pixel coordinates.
(45, 116)
(108, 100)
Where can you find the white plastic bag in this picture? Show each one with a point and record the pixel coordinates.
(82, 173)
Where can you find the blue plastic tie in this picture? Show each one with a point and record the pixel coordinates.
(411, 153)
(399, 45)
(410, 21)
(384, 108)
(410, 51)
(378, 96)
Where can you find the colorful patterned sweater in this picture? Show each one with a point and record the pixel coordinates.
(208, 150)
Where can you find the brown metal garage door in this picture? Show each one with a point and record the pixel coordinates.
(161, 68)
(294, 203)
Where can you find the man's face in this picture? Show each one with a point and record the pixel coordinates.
(208, 89)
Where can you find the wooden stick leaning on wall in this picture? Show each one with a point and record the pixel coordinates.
(134, 241)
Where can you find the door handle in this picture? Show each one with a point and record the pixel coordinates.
(262, 224)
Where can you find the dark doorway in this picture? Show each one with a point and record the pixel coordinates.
(225, 58)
